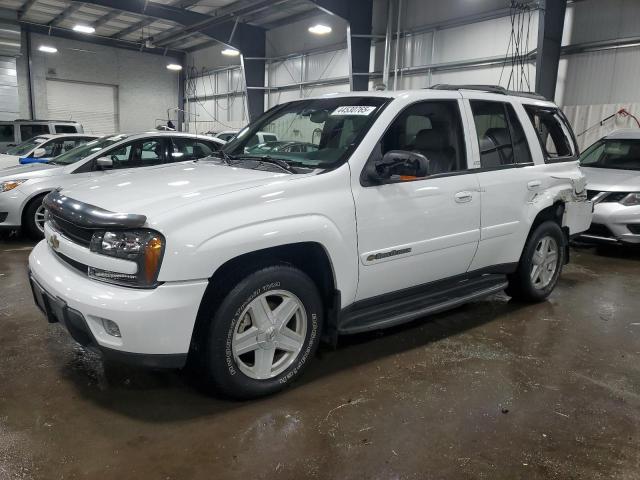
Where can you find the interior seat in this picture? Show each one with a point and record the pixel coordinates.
(433, 144)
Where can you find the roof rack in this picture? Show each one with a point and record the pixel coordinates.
(488, 88)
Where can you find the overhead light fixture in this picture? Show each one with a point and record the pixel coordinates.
(230, 52)
(320, 29)
(83, 29)
(47, 49)
(174, 66)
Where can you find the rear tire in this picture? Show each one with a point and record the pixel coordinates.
(33, 219)
(253, 349)
(540, 265)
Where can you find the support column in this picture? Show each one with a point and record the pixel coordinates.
(550, 28)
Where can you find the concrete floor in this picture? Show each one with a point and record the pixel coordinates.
(491, 390)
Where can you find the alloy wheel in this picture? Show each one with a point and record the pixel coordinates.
(544, 262)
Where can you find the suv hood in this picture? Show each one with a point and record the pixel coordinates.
(612, 180)
(31, 170)
(157, 190)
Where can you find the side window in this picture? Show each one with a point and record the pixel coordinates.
(554, 133)
(66, 129)
(6, 133)
(190, 149)
(501, 139)
(54, 148)
(31, 130)
(142, 153)
(433, 129)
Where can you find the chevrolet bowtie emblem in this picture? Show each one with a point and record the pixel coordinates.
(54, 242)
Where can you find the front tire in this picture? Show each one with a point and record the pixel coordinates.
(540, 265)
(33, 219)
(263, 333)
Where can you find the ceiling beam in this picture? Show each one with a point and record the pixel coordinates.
(24, 9)
(133, 28)
(291, 19)
(106, 18)
(96, 39)
(66, 13)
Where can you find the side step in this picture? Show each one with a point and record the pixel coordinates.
(429, 299)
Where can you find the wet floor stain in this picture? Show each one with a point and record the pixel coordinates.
(493, 389)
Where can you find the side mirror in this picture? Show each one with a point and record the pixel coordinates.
(399, 163)
(104, 163)
(39, 152)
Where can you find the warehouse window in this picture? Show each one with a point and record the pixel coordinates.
(554, 134)
(501, 139)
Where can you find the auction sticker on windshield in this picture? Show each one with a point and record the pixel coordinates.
(353, 110)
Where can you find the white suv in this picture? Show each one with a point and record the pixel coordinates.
(413, 202)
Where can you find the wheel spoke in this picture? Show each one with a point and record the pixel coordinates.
(261, 313)
(551, 259)
(246, 341)
(264, 362)
(535, 273)
(289, 340)
(285, 311)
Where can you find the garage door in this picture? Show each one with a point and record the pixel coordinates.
(94, 106)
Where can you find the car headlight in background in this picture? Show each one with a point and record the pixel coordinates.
(145, 247)
(631, 200)
(11, 184)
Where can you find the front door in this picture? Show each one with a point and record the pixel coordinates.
(413, 231)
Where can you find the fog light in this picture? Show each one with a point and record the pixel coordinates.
(111, 328)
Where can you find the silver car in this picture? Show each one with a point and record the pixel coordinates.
(612, 168)
(23, 187)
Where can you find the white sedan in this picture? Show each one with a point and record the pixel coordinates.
(41, 148)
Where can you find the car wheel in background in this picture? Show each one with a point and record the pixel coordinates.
(33, 218)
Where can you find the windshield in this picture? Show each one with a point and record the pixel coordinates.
(313, 134)
(616, 154)
(87, 149)
(26, 147)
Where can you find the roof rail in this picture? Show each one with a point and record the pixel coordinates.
(41, 120)
(488, 88)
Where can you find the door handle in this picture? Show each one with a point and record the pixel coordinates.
(534, 184)
(464, 197)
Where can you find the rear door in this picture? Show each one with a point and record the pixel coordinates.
(509, 179)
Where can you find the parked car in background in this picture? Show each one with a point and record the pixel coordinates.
(283, 147)
(42, 148)
(17, 131)
(226, 135)
(612, 168)
(414, 202)
(23, 187)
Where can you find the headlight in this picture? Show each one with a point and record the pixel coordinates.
(11, 184)
(145, 247)
(631, 200)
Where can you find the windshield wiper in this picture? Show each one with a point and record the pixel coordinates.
(268, 159)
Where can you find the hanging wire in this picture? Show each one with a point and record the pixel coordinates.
(516, 57)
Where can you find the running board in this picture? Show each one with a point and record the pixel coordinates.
(373, 315)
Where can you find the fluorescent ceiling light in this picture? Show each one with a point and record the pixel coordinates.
(174, 66)
(83, 29)
(230, 52)
(320, 29)
(47, 49)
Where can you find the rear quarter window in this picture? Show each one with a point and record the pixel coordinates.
(554, 133)
(66, 129)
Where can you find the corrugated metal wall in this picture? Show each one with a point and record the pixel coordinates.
(9, 98)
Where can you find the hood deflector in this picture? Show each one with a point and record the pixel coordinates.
(89, 216)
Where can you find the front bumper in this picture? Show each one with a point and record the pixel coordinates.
(155, 325)
(11, 204)
(614, 223)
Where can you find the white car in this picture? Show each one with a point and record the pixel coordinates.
(23, 187)
(42, 148)
(413, 203)
(612, 168)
